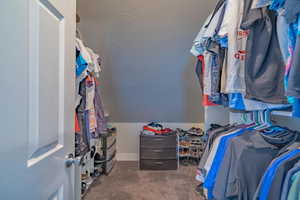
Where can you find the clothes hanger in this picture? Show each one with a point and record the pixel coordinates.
(263, 120)
(269, 128)
(257, 120)
(248, 119)
(244, 120)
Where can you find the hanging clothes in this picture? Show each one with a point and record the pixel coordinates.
(237, 157)
(90, 122)
(248, 57)
(288, 181)
(264, 71)
(293, 82)
(237, 40)
(291, 10)
(100, 115)
(294, 192)
(276, 172)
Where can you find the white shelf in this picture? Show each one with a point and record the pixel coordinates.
(283, 113)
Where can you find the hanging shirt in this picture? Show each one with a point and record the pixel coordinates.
(294, 193)
(288, 181)
(264, 71)
(200, 69)
(81, 73)
(92, 121)
(77, 126)
(245, 161)
(212, 135)
(207, 31)
(81, 65)
(292, 67)
(260, 3)
(217, 55)
(291, 10)
(237, 40)
(293, 82)
(84, 52)
(210, 179)
(90, 93)
(94, 66)
(208, 59)
(278, 180)
(99, 108)
(263, 191)
(214, 149)
(282, 32)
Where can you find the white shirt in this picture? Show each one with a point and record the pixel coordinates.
(83, 51)
(95, 67)
(237, 41)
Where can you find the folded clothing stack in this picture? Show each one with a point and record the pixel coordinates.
(155, 128)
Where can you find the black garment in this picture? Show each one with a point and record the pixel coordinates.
(281, 172)
(294, 77)
(264, 64)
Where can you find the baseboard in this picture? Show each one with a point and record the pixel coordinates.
(127, 157)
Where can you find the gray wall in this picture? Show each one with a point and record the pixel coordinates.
(148, 72)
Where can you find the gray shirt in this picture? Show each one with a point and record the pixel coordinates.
(212, 135)
(264, 68)
(246, 159)
(281, 172)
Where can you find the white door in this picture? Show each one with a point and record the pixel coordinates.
(36, 99)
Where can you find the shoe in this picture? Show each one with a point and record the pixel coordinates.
(196, 131)
(98, 160)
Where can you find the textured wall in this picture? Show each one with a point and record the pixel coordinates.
(148, 72)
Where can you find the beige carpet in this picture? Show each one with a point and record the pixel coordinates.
(127, 182)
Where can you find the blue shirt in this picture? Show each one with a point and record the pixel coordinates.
(269, 175)
(236, 101)
(81, 65)
(276, 4)
(262, 3)
(212, 174)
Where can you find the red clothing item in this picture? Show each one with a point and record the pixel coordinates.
(77, 127)
(205, 100)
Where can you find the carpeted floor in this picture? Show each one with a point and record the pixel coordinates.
(127, 182)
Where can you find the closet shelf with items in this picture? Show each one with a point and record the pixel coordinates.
(248, 66)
